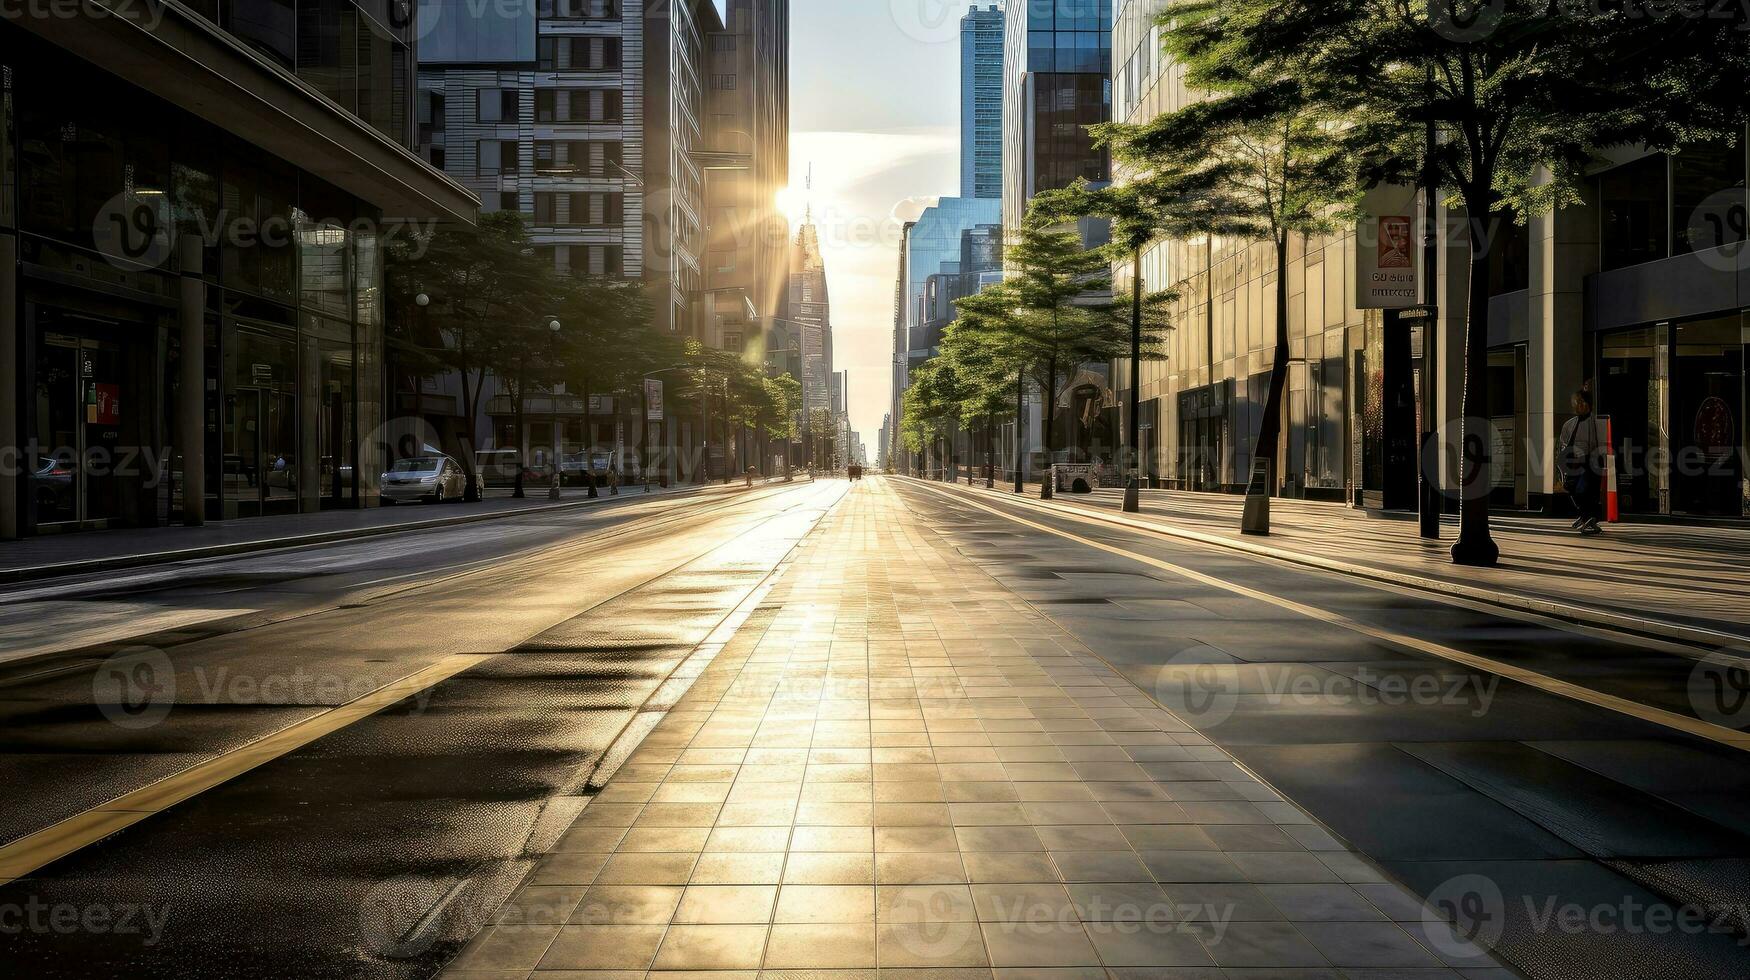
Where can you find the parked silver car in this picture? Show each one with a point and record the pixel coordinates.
(433, 478)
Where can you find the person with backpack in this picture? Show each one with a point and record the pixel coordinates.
(1581, 457)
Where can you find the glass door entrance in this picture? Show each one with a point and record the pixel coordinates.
(79, 405)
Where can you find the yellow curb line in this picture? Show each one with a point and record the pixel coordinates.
(32, 852)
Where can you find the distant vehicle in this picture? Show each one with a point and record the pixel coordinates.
(498, 467)
(429, 478)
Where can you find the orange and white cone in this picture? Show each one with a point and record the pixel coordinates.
(1612, 512)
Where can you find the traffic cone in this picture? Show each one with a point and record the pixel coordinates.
(1612, 513)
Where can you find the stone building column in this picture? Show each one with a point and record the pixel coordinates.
(11, 371)
(191, 436)
(1564, 251)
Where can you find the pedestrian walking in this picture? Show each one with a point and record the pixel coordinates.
(1581, 458)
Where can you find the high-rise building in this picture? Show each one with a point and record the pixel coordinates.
(810, 313)
(935, 246)
(981, 102)
(588, 117)
(748, 127)
(1057, 81)
(194, 207)
(1628, 291)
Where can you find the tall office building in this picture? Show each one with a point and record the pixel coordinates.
(981, 102)
(1630, 290)
(810, 313)
(1057, 66)
(194, 202)
(748, 126)
(588, 117)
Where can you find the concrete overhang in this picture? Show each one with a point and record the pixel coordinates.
(168, 50)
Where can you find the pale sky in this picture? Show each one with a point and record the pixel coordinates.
(874, 106)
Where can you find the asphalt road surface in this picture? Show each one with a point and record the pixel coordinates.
(256, 788)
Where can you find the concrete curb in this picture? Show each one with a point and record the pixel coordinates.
(36, 573)
(1564, 610)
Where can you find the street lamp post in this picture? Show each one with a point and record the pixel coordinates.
(553, 409)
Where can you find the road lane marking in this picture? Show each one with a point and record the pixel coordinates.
(1543, 682)
(31, 852)
(40, 848)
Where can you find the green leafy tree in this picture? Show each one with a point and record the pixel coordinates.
(1519, 93)
(485, 288)
(1164, 200)
(1053, 312)
(1263, 158)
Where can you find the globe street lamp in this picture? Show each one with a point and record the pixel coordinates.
(553, 408)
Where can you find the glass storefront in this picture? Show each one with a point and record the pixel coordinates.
(1707, 413)
(293, 269)
(1675, 396)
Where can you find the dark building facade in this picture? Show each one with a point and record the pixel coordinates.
(1057, 81)
(194, 208)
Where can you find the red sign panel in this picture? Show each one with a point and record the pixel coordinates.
(109, 410)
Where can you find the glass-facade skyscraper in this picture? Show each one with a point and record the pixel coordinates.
(981, 103)
(1057, 81)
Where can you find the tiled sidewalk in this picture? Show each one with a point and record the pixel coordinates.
(898, 765)
(1691, 576)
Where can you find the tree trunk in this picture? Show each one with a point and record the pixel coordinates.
(1475, 479)
(1256, 518)
(1020, 425)
(1047, 416)
(517, 424)
(1133, 427)
(588, 438)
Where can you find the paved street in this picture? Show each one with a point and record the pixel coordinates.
(877, 726)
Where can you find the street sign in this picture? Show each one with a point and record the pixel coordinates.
(652, 400)
(1388, 254)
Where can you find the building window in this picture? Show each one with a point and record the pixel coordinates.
(580, 9)
(546, 212)
(501, 201)
(496, 157)
(723, 83)
(1633, 213)
(1707, 195)
(498, 105)
(578, 53)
